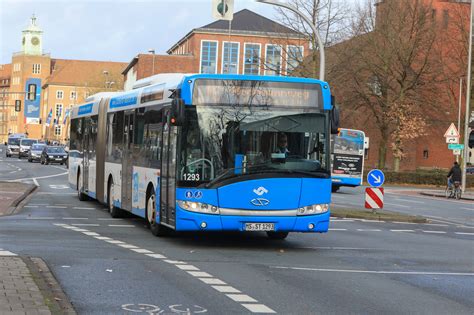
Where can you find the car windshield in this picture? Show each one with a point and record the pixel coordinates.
(55, 150)
(220, 142)
(14, 141)
(27, 142)
(37, 147)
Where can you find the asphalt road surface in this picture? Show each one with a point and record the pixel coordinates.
(115, 266)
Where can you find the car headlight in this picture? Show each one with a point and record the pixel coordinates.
(198, 207)
(314, 209)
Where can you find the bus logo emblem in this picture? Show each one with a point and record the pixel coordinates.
(260, 202)
(260, 190)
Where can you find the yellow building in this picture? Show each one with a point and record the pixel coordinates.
(43, 84)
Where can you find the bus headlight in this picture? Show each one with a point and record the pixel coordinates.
(314, 209)
(198, 207)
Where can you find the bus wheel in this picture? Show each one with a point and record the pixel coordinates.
(80, 194)
(277, 235)
(156, 228)
(334, 189)
(113, 210)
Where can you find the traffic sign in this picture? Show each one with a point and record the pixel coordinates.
(452, 139)
(373, 198)
(452, 146)
(457, 152)
(375, 178)
(451, 132)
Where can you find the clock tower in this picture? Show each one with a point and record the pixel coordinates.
(32, 40)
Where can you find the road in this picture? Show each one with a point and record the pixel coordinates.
(115, 266)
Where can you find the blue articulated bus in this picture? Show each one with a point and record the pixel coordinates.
(209, 153)
(348, 148)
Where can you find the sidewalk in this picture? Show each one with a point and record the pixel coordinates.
(468, 195)
(11, 194)
(28, 287)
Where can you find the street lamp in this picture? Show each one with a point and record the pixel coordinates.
(152, 51)
(313, 26)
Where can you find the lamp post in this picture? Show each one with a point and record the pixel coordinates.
(322, 61)
(106, 74)
(468, 103)
(152, 51)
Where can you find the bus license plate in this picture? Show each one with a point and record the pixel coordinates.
(259, 226)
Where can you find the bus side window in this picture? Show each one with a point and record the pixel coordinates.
(153, 129)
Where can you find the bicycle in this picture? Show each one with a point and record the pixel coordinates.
(454, 190)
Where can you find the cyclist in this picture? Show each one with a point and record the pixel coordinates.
(454, 175)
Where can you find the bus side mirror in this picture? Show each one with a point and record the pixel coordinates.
(471, 139)
(177, 114)
(334, 117)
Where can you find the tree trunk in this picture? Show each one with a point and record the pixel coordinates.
(383, 148)
(396, 164)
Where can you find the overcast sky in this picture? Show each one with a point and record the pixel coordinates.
(108, 30)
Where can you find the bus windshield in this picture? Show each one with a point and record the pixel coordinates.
(220, 142)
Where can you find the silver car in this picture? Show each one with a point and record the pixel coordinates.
(25, 146)
(35, 152)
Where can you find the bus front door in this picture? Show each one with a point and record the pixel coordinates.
(168, 175)
(127, 161)
(86, 152)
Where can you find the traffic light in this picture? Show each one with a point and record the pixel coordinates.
(223, 9)
(17, 106)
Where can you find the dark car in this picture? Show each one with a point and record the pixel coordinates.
(53, 154)
(35, 152)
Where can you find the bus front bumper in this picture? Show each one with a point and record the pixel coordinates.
(192, 221)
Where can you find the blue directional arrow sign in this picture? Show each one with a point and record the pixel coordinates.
(375, 178)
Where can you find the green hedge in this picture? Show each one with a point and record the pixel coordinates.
(437, 178)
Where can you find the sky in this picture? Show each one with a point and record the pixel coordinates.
(107, 30)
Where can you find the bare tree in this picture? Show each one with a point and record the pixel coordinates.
(386, 68)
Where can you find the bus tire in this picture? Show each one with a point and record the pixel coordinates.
(155, 227)
(335, 189)
(113, 210)
(80, 194)
(277, 235)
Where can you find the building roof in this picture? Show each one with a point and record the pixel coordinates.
(244, 22)
(85, 72)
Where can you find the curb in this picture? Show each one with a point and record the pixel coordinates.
(443, 196)
(13, 207)
(54, 296)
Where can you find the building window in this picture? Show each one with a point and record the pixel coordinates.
(445, 19)
(17, 67)
(73, 95)
(273, 60)
(252, 59)
(208, 57)
(425, 154)
(59, 110)
(36, 68)
(294, 56)
(16, 80)
(59, 95)
(57, 130)
(230, 58)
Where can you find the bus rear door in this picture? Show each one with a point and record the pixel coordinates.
(168, 174)
(127, 163)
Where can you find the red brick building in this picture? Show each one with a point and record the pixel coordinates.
(252, 45)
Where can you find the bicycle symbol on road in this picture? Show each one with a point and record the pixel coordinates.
(156, 310)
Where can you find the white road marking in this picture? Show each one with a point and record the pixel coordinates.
(36, 182)
(331, 229)
(40, 218)
(70, 218)
(340, 220)
(126, 245)
(30, 207)
(91, 233)
(396, 205)
(470, 209)
(369, 230)
(212, 281)
(434, 273)
(39, 204)
(102, 238)
(84, 208)
(175, 262)
(121, 225)
(158, 256)
(464, 233)
(85, 224)
(434, 232)
(56, 207)
(225, 289)
(258, 308)
(187, 267)
(241, 298)
(6, 253)
(41, 177)
(200, 274)
(109, 219)
(402, 230)
(114, 242)
(141, 250)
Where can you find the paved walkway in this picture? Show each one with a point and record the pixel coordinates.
(468, 195)
(19, 294)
